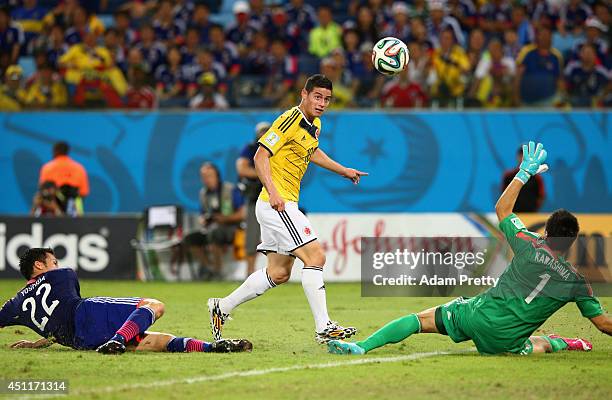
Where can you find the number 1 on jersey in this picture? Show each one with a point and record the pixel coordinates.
(538, 289)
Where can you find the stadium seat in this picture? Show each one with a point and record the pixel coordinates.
(28, 65)
(226, 6)
(222, 18)
(107, 19)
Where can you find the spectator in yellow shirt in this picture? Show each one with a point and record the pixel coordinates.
(325, 37)
(12, 93)
(451, 66)
(46, 90)
(92, 65)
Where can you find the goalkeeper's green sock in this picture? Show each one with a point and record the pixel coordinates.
(395, 331)
(556, 343)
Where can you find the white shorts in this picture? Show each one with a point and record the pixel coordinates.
(283, 232)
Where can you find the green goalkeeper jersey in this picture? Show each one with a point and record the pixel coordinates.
(532, 288)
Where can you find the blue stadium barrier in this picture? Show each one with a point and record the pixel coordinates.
(418, 161)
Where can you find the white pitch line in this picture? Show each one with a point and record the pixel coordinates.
(256, 372)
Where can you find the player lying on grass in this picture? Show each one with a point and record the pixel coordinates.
(537, 283)
(51, 305)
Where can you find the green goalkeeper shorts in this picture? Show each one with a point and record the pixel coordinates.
(460, 321)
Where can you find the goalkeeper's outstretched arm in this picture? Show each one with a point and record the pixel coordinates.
(533, 163)
(506, 201)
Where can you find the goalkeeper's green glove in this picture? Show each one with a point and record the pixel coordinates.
(533, 162)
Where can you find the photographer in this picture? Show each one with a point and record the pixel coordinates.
(46, 201)
(222, 212)
(251, 187)
(69, 177)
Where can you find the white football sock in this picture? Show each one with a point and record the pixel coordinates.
(314, 288)
(255, 285)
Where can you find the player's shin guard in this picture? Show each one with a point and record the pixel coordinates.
(187, 345)
(395, 331)
(255, 285)
(138, 322)
(314, 288)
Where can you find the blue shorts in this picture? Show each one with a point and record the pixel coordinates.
(97, 319)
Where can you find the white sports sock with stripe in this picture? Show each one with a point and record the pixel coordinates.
(255, 285)
(314, 288)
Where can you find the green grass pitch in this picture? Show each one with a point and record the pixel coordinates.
(287, 363)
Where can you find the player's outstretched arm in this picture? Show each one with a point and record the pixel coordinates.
(320, 158)
(603, 323)
(532, 164)
(262, 166)
(26, 344)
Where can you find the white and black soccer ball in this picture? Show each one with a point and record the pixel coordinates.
(390, 56)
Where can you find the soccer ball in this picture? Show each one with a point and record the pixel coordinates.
(390, 56)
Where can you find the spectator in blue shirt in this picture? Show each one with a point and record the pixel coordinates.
(586, 81)
(352, 53)
(153, 52)
(201, 22)
(256, 60)
(495, 17)
(182, 11)
(595, 31)
(128, 36)
(80, 27)
(241, 32)
(223, 51)
(304, 17)
(522, 25)
(54, 46)
(463, 11)
(11, 37)
(281, 28)
(539, 74)
(400, 26)
(573, 15)
(171, 80)
(282, 73)
(29, 16)
(204, 63)
(168, 29)
(189, 50)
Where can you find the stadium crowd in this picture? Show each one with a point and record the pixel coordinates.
(182, 53)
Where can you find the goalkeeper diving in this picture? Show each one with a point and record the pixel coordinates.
(537, 283)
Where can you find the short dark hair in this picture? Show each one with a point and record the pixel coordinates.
(211, 165)
(561, 230)
(27, 259)
(61, 148)
(318, 81)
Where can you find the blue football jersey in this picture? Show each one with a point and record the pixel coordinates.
(47, 305)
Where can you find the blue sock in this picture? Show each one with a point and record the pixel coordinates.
(138, 322)
(183, 344)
